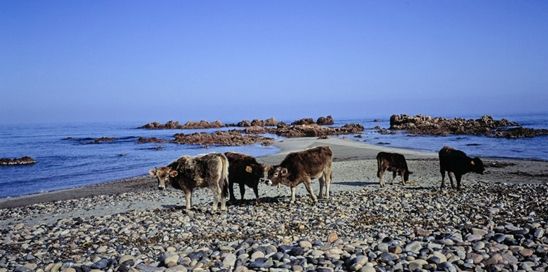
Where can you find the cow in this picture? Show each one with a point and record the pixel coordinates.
(393, 162)
(456, 162)
(188, 173)
(303, 167)
(246, 171)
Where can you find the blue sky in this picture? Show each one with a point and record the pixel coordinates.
(160, 60)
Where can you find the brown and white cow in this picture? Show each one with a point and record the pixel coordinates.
(393, 162)
(188, 173)
(303, 167)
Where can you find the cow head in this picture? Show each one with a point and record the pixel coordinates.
(163, 175)
(477, 165)
(277, 175)
(406, 175)
(255, 170)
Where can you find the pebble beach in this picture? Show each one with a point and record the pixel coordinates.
(498, 222)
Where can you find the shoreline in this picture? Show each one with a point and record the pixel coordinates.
(133, 226)
(345, 149)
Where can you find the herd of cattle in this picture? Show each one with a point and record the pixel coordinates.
(219, 172)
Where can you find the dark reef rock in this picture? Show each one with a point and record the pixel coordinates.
(486, 126)
(325, 121)
(270, 122)
(304, 121)
(221, 138)
(316, 130)
(26, 160)
(145, 140)
(102, 140)
(520, 132)
(188, 125)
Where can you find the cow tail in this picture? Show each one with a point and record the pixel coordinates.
(224, 177)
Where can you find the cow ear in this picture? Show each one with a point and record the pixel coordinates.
(152, 172)
(249, 169)
(472, 162)
(173, 173)
(284, 171)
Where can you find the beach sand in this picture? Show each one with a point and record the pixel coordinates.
(354, 168)
(497, 222)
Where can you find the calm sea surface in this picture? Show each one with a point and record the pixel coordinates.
(66, 163)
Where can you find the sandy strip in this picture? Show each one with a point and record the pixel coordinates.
(354, 169)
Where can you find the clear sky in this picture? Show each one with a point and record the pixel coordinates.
(160, 60)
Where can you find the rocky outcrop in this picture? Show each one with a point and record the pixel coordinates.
(188, 125)
(486, 126)
(270, 122)
(221, 138)
(169, 125)
(316, 130)
(102, 140)
(26, 160)
(519, 132)
(325, 121)
(146, 140)
(304, 121)
(202, 124)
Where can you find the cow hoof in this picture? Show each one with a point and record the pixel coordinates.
(189, 212)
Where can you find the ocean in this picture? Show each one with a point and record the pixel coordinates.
(64, 160)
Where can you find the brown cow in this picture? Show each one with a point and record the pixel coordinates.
(246, 171)
(303, 167)
(393, 162)
(188, 173)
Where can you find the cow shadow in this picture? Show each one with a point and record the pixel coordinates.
(261, 200)
(356, 183)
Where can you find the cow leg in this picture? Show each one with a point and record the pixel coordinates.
(307, 185)
(231, 190)
(458, 177)
(188, 199)
(380, 174)
(293, 190)
(394, 173)
(327, 184)
(451, 179)
(216, 199)
(322, 184)
(242, 191)
(223, 201)
(442, 179)
(256, 191)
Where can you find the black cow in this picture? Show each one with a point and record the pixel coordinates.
(245, 171)
(393, 162)
(456, 162)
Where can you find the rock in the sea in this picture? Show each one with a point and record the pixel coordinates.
(221, 138)
(145, 140)
(316, 130)
(304, 121)
(26, 160)
(486, 126)
(325, 121)
(188, 125)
